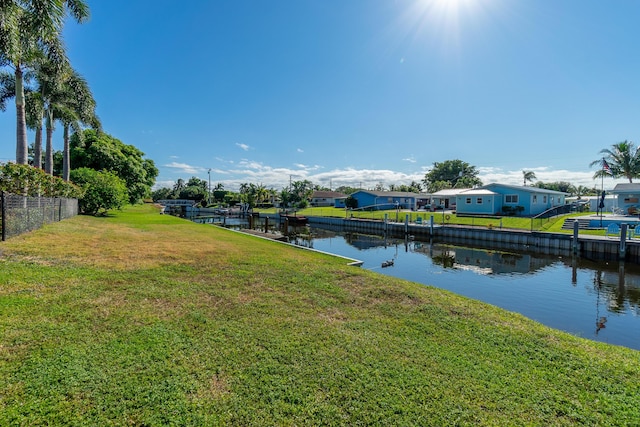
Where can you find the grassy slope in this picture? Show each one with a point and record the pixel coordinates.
(143, 319)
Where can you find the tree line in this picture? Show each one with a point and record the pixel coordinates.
(448, 174)
(36, 73)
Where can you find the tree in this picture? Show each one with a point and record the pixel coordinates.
(379, 187)
(162, 194)
(345, 189)
(100, 151)
(61, 95)
(103, 191)
(562, 186)
(194, 189)
(621, 160)
(351, 202)
(451, 174)
(300, 193)
(528, 176)
(74, 106)
(31, 31)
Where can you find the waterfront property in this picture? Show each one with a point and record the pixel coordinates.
(498, 199)
(627, 198)
(446, 199)
(326, 198)
(381, 200)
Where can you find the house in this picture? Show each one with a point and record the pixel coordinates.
(446, 199)
(326, 198)
(628, 198)
(498, 199)
(380, 200)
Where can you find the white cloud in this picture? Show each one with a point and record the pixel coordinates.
(410, 159)
(300, 150)
(183, 167)
(245, 147)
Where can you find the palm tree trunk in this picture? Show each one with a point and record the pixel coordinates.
(66, 158)
(48, 160)
(22, 147)
(37, 149)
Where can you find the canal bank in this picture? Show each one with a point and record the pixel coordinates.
(618, 247)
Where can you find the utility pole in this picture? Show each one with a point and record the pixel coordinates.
(209, 190)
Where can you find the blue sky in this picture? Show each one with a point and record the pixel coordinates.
(357, 92)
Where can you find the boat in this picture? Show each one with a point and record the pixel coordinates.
(295, 220)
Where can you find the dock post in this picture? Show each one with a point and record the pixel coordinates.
(576, 227)
(386, 221)
(406, 225)
(266, 224)
(623, 240)
(431, 226)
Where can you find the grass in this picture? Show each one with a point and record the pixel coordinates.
(145, 319)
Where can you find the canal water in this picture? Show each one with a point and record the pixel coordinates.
(594, 300)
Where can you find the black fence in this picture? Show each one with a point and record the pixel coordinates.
(23, 214)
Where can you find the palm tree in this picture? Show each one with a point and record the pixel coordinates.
(34, 110)
(621, 160)
(75, 107)
(528, 176)
(30, 32)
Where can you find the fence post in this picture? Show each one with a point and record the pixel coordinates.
(3, 208)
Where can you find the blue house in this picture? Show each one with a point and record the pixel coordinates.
(498, 199)
(380, 200)
(628, 198)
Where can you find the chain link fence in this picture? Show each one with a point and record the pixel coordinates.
(23, 214)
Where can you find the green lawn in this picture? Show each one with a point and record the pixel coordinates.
(146, 319)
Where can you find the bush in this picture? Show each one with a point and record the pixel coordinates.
(351, 202)
(25, 180)
(103, 191)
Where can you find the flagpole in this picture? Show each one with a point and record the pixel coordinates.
(602, 190)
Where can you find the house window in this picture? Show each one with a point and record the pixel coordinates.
(544, 199)
(535, 198)
(479, 200)
(511, 198)
(468, 200)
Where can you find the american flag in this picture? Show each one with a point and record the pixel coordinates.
(606, 168)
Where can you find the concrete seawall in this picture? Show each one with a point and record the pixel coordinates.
(587, 246)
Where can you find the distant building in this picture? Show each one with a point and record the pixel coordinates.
(628, 198)
(381, 200)
(326, 198)
(498, 199)
(446, 199)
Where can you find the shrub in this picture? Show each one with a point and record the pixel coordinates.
(26, 180)
(102, 191)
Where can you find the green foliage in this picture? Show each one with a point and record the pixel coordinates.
(414, 187)
(29, 181)
(351, 202)
(451, 174)
(562, 186)
(163, 193)
(346, 189)
(623, 159)
(102, 191)
(297, 193)
(102, 152)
